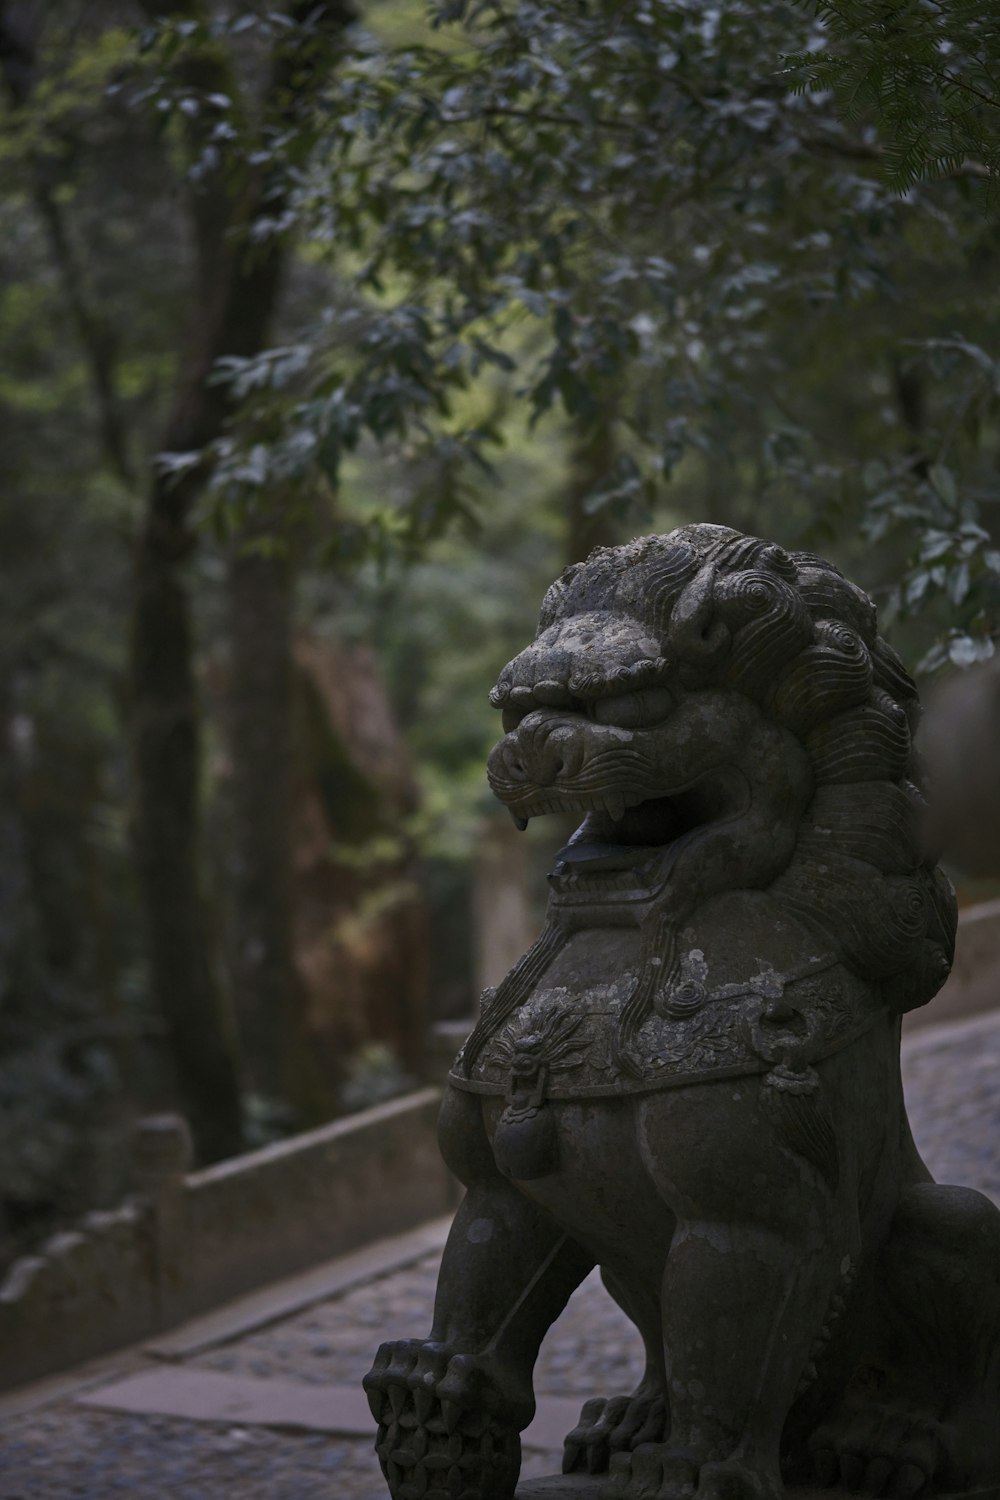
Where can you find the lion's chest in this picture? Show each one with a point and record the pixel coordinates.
(740, 982)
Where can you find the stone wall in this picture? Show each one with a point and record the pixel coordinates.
(190, 1240)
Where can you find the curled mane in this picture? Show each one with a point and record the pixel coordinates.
(788, 631)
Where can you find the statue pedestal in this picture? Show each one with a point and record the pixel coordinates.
(561, 1487)
(588, 1487)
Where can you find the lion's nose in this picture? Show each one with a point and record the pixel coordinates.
(538, 751)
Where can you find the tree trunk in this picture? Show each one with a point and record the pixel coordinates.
(238, 286)
(267, 988)
(591, 458)
(165, 742)
(165, 711)
(262, 971)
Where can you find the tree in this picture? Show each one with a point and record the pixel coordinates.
(103, 90)
(76, 1040)
(923, 76)
(237, 202)
(642, 203)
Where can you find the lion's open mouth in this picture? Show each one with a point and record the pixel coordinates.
(604, 842)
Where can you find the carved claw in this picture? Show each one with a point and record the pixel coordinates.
(599, 1449)
(574, 1447)
(879, 1450)
(423, 1402)
(466, 1383)
(652, 1430)
(451, 1415)
(608, 1427)
(444, 1429)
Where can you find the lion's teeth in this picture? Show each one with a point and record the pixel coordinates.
(615, 806)
(519, 823)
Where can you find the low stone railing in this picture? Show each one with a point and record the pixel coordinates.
(190, 1240)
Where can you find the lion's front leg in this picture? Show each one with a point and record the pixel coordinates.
(758, 1248)
(450, 1407)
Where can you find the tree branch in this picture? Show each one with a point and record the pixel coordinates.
(96, 336)
(970, 88)
(852, 149)
(240, 278)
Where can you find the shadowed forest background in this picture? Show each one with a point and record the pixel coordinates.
(329, 334)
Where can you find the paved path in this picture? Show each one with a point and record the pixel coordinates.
(260, 1401)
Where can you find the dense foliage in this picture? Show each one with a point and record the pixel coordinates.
(641, 214)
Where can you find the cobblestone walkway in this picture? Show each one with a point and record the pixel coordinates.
(69, 1451)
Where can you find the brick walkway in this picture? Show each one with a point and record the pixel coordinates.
(264, 1405)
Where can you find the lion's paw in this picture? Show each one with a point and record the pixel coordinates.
(444, 1430)
(616, 1425)
(880, 1451)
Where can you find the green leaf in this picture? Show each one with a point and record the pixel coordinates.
(943, 481)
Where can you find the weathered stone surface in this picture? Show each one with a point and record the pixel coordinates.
(692, 1076)
(588, 1487)
(562, 1487)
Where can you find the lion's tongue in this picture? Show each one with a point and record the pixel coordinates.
(590, 856)
(594, 847)
(603, 843)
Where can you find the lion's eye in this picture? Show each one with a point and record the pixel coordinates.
(632, 710)
(510, 717)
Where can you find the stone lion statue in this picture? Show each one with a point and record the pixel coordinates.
(691, 1079)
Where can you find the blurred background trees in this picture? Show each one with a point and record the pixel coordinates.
(329, 335)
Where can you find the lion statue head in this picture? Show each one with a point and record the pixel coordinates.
(726, 716)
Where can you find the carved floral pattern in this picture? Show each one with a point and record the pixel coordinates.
(572, 1036)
